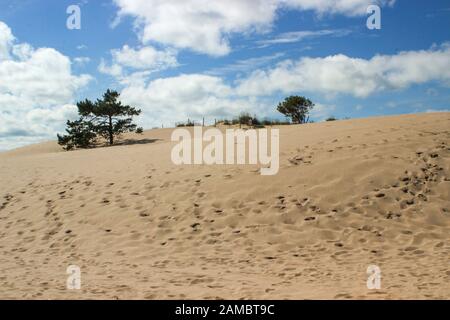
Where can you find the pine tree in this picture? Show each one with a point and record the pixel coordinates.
(107, 117)
(80, 134)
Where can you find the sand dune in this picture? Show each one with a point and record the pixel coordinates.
(348, 194)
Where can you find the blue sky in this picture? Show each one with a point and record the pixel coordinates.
(188, 59)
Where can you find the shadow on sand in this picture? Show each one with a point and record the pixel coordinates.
(129, 142)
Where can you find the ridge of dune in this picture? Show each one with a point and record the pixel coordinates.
(348, 194)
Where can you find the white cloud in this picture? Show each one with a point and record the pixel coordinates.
(35, 87)
(114, 70)
(30, 126)
(81, 61)
(358, 77)
(6, 40)
(194, 96)
(321, 111)
(346, 7)
(47, 116)
(145, 60)
(296, 36)
(199, 25)
(437, 110)
(169, 100)
(206, 26)
(245, 65)
(45, 78)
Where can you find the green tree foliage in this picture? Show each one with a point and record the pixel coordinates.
(80, 134)
(297, 108)
(107, 117)
(140, 130)
(245, 118)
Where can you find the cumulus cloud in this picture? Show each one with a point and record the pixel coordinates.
(192, 96)
(199, 25)
(36, 86)
(45, 77)
(6, 40)
(205, 26)
(29, 126)
(145, 58)
(358, 77)
(129, 63)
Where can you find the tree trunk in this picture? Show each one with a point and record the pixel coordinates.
(110, 129)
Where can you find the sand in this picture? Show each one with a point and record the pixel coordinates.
(349, 194)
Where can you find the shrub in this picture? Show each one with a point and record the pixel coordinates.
(297, 108)
(255, 121)
(189, 123)
(245, 118)
(268, 122)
